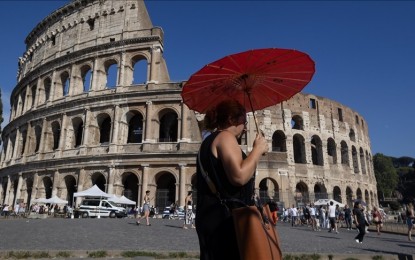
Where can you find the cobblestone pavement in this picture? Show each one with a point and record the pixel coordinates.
(58, 234)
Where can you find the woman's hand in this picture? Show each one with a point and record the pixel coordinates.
(261, 144)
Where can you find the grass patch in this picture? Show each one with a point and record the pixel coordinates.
(63, 254)
(27, 254)
(98, 254)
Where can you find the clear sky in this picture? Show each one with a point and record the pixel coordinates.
(364, 50)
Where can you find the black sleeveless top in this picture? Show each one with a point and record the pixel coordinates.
(214, 223)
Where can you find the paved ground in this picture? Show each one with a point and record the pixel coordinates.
(57, 234)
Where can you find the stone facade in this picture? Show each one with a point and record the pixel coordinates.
(94, 104)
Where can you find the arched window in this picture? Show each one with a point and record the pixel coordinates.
(299, 149)
(139, 72)
(38, 134)
(135, 129)
(355, 160)
(86, 74)
(33, 90)
(104, 123)
(279, 141)
(362, 161)
(344, 153)
(297, 122)
(168, 127)
(352, 135)
(78, 130)
(331, 151)
(56, 131)
(24, 137)
(47, 83)
(317, 150)
(111, 71)
(65, 83)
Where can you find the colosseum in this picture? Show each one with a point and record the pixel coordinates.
(94, 104)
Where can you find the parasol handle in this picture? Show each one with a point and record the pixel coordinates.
(253, 112)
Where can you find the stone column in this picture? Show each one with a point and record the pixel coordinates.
(1, 191)
(55, 184)
(85, 134)
(148, 128)
(182, 185)
(63, 132)
(43, 136)
(80, 186)
(52, 88)
(16, 144)
(111, 178)
(115, 127)
(19, 188)
(183, 127)
(34, 188)
(144, 182)
(6, 199)
(155, 63)
(122, 70)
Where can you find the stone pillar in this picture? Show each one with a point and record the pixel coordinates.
(111, 178)
(16, 144)
(55, 184)
(155, 63)
(95, 76)
(1, 191)
(63, 132)
(183, 127)
(182, 185)
(145, 182)
(43, 136)
(148, 128)
(85, 134)
(19, 188)
(52, 88)
(34, 188)
(6, 199)
(122, 70)
(80, 186)
(115, 129)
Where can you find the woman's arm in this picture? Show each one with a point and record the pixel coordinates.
(238, 171)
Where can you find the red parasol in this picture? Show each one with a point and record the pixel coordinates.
(256, 78)
(266, 76)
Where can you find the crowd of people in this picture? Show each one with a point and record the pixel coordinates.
(21, 209)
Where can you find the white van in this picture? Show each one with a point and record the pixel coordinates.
(100, 207)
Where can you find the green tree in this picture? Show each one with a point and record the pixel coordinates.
(386, 175)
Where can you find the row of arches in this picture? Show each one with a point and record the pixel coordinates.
(92, 75)
(317, 147)
(68, 133)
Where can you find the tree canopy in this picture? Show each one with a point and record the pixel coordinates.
(386, 175)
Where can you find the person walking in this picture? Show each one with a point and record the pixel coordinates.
(332, 218)
(348, 217)
(146, 209)
(231, 171)
(360, 221)
(377, 219)
(188, 211)
(410, 217)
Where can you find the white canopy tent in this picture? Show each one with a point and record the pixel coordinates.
(121, 200)
(56, 200)
(325, 202)
(94, 191)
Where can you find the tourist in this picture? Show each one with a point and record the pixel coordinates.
(188, 211)
(410, 217)
(231, 172)
(146, 209)
(377, 219)
(360, 221)
(348, 217)
(332, 218)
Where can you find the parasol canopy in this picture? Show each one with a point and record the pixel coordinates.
(256, 79)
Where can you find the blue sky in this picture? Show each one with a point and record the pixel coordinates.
(364, 50)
